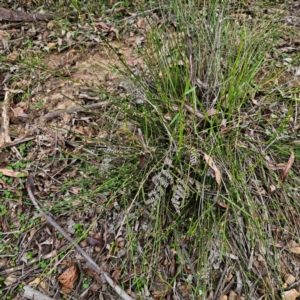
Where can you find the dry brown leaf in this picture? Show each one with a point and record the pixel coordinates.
(32, 232)
(12, 57)
(103, 26)
(167, 117)
(184, 288)
(93, 274)
(211, 112)
(132, 294)
(51, 25)
(211, 163)
(35, 281)
(116, 275)
(289, 279)
(276, 166)
(222, 204)
(69, 276)
(224, 130)
(19, 112)
(3, 262)
(288, 167)
(95, 242)
(172, 266)
(96, 287)
(142, 161)
(229, 277)
(10, 173)
(120, 242)
(294, 247)
(43, 285)
(3, 34)
(290, 295)
(116, 31)
(51, 45)
(232, 295)
(10, 280)
(83, 244)
(98, 249)
(159, 289)
(142, 23)
(66, 290)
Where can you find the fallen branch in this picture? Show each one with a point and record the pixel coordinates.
(91, 263)
(21, 16)
(72, 110)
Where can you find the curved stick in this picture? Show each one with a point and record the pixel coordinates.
(30, 189)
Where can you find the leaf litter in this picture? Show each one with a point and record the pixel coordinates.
(53, 149)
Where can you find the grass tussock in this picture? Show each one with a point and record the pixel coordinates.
(206, 92)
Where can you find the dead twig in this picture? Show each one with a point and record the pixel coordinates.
(4, 131)
(19, 279)
(197, 113)
(72, 110)
(18, 142)
(52, 254)
(90, 262)
(221, 282)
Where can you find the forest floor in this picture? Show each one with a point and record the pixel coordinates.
(167, 152)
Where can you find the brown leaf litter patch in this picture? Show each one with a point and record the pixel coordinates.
(72, 93)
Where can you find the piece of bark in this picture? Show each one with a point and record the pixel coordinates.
(72, 110)
(21, 16)
(4, 130)
(31, 293)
